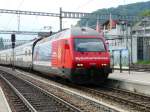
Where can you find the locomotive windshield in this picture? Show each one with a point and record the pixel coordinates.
(89, 45)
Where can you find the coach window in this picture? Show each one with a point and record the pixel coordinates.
(25, 53)
(29, 52)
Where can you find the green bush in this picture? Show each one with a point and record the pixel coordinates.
(143, 62)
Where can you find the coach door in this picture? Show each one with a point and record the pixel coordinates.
(60, 53)
(63, 56)
(67, 57)
(63, 53)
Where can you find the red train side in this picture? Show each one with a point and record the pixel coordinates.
(79, 54)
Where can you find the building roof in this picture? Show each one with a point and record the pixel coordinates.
(114, 22)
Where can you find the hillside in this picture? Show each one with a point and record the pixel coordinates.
(134, 9)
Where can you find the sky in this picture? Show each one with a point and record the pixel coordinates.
(38, 23)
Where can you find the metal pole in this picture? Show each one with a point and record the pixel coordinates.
(127, 45)
(144, 43)
(13, 62)
(126, 30)
(18, 22)
(60, 19)
(129, 60)
(113, 60)
(120, 61)
(131, 47)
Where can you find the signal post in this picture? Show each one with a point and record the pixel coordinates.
(13, 40)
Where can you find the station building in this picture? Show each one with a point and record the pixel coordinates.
(141, 31)
(131, 42)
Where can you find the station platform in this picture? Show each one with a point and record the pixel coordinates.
(4, 107)
(134, 81)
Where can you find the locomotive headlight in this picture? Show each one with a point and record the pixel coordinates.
(79, 65)
(104, 64)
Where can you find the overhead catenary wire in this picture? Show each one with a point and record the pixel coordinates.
(12, 17)
(81, 6)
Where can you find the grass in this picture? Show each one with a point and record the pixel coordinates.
(144, 62)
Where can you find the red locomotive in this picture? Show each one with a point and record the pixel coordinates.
(79, 54)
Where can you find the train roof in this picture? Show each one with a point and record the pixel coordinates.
(26, 44)
(74, 31)
(17, 47)
(5, 50)
(83, 31)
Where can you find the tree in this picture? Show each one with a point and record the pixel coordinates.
(1, 43)
(145, 13)
(129, 10)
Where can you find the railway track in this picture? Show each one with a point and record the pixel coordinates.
(123, 98)
(83, 103)
(131, 100)
(32, 98)
(140, 68)
(134, 101)
(14, 101)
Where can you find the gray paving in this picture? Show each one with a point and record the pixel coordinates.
(135, 81)
(4, 107)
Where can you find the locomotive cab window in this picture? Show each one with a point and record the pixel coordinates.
(89, 45)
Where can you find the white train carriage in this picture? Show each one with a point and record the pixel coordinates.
(6, 57)
(23, 55)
